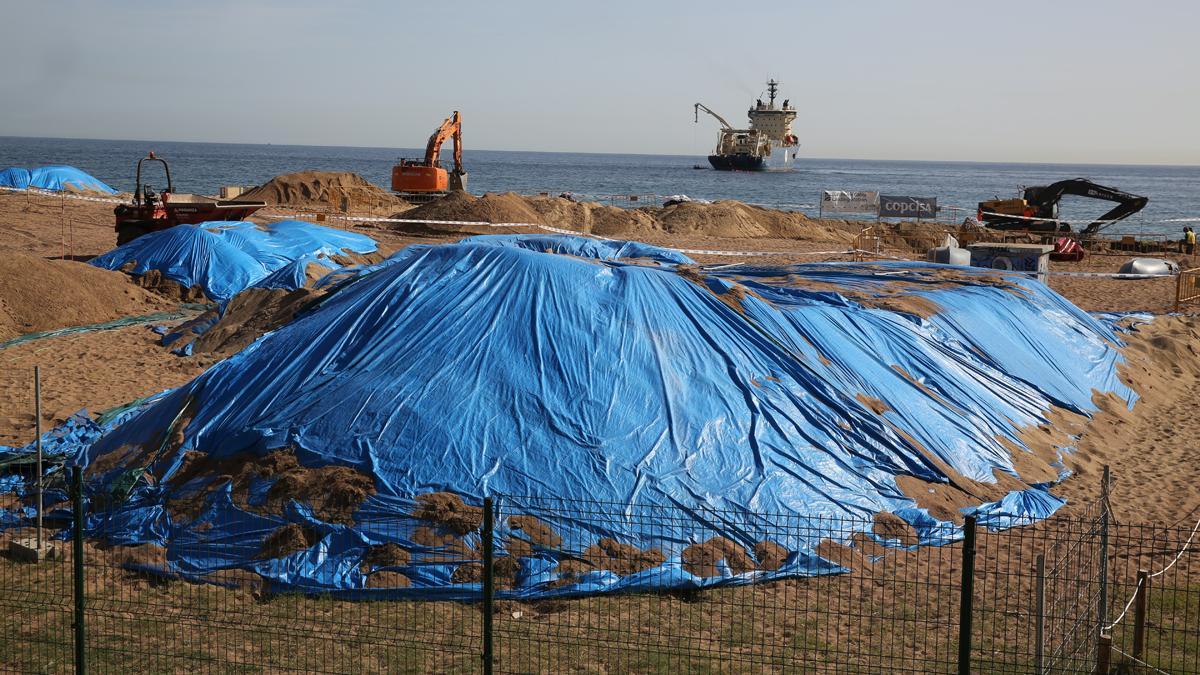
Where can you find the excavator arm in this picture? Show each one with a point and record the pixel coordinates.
(1045, 200)
(701, 106)
(451, 129)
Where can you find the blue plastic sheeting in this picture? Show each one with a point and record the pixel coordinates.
(225, 258)
(584, 247)
(16, 178)
(66, 443)
(493, 368)
(65, 440)
(56, 178)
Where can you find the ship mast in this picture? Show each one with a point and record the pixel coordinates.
(772, 87)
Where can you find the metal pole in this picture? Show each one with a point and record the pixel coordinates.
(489, 585)
(37, 406)
(966, 598)
(77, 560)
(1139, 614)
(1039, 644)
(1102, 607)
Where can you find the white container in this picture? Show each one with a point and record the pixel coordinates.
(948, 255)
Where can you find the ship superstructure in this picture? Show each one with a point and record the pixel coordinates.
(749, 149)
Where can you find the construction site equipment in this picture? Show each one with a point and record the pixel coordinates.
(425, 179)
(1032, 258)
(1038, 210)
(151, 211)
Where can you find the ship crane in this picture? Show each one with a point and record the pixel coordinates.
(724, 125)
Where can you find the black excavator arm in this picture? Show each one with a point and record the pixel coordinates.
(1045, 200)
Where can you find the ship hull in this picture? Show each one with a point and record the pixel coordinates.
(737, 162)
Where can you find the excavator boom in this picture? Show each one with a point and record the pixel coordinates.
(1039, 209)
(451, 129)
(1046, 199)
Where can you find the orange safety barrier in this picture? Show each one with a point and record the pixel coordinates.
(1187, 287)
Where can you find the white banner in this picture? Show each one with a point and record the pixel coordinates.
(841, 201)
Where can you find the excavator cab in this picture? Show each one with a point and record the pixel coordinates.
(425, 179)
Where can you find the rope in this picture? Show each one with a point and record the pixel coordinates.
(1138, 587)
(1125, 611)
(1138, 661)
(1181, 551)
(647, 198)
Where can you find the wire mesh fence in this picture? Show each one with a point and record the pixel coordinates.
(1155, 589)
(695, 590)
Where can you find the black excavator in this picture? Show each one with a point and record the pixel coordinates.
(1038, 211)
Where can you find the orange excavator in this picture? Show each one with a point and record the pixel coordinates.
(425, 179)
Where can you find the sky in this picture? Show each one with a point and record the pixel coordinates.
(1022, 81)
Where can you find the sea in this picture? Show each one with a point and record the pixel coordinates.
(1174, 191)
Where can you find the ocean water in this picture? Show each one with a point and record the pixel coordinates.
(1174, 191)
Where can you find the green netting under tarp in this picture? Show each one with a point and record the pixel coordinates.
(184, 311)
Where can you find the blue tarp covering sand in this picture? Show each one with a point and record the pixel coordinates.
(56, 178)
(619, 384)
(225, 258)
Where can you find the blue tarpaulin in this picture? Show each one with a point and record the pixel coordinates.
(496, 367)
(225, 258)
(15, 177)
(56, 178)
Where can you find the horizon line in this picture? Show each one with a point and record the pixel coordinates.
(630, 154)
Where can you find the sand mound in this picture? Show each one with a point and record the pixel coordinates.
(335, 492)
(737, 220)
(594, 218)
(38, 294)
(728, 219)
(463, 206)
(153, 280)
(338, 191)
(247, 317)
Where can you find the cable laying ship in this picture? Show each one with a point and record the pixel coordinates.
(748, 149)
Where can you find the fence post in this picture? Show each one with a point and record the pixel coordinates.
(1102, 606)
(1139, 614)
(489, 585)
(77, 567)
(41, 489)
(1103, 654)
(966, 598)
(1039, 644)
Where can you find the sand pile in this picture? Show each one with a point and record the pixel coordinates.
(38, 294)
(727, 219)
(594, 218)
(247, 317)
(734, 219)
(337, 191)
(508, 207)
